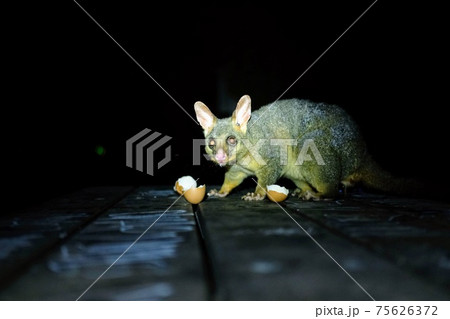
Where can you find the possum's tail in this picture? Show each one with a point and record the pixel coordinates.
(371, 175)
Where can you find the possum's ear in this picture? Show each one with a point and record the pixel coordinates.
(205, 117)
(242, 114)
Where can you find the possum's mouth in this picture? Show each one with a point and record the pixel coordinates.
(223, 162)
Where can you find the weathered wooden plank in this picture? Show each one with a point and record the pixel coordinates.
(28, 234)
(259, 253)
(414, 234)
(165, 264)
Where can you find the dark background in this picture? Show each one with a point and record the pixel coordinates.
(73, 89)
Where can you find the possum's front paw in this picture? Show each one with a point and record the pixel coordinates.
(306, 194)
(216, 193)
(311, 195)
(253, 196)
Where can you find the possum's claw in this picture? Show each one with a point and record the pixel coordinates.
(311, 195)
(216, 193)
(252, 196)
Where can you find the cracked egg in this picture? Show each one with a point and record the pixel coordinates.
(277, 193)
(184, 183)
(187, 186)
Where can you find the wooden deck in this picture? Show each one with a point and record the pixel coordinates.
(362, 247)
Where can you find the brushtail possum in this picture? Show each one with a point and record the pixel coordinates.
(316, 145)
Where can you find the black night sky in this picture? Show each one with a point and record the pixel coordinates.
(74, 90)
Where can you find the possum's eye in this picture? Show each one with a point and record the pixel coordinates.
(212, 143)
(231, 140)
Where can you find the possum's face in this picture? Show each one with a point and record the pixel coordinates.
(223, 136)
(222, 143)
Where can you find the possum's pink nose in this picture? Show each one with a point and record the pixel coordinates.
(221, 156)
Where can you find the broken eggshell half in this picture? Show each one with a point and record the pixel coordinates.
(277, 193)
(187, 186)
(184, 183)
